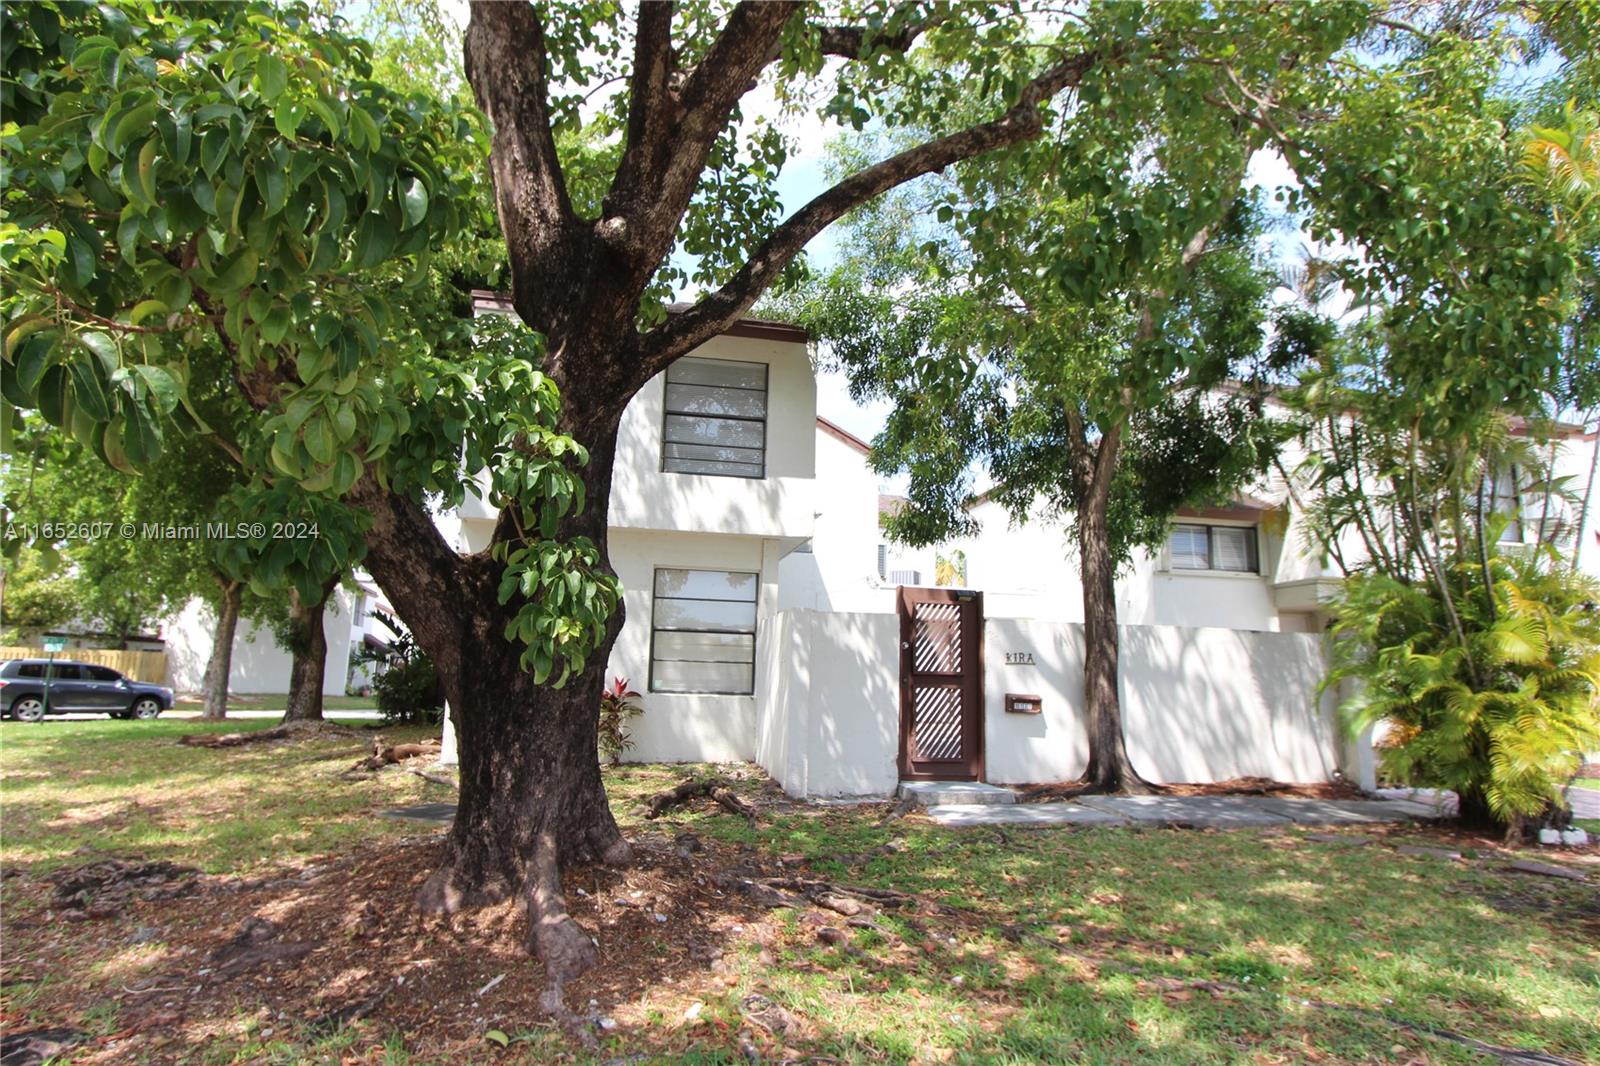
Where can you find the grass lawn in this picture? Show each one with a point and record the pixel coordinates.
(1587, 782)
(1089, 945)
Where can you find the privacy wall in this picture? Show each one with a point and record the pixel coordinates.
(1199, 704)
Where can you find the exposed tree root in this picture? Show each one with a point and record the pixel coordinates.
(1516, 1056)
(714, 787)
(384, 754)
(257, 736)
(555, 937)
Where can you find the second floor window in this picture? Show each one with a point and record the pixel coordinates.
(716, 418)
(1228, 548)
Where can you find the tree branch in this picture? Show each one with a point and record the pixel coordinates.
(852, 42)
(506, 64)
(718, 311)
(420, 573)
(660, 171)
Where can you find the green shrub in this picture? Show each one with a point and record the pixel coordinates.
(405, 683)
(1496, 704)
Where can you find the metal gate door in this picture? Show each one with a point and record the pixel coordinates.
(941, 684)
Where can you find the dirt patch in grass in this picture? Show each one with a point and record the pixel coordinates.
(152, 978)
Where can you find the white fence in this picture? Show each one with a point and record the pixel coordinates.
(1198, 704)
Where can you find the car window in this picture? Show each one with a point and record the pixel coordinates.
(31, 670)
(67, 672)
(102, 673)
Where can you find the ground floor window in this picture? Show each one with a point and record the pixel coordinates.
(1230, 548)
(703, 632)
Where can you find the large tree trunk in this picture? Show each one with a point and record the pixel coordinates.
(308, 642)
(214, 694)
(1110, 769)
(531, 798)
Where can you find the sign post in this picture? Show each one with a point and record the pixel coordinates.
(52, 644)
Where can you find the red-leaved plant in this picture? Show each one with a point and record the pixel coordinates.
(618, 704)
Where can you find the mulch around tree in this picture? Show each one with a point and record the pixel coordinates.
(313, 948)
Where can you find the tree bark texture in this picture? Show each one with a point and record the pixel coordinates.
(214, 689)
(308, 640)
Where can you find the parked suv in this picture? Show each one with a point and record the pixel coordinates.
(32, 688)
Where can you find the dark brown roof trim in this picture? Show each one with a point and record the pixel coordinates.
(761, 329)
(1244, 509)
(844, 435)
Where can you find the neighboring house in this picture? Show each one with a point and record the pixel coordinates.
(260, 663)
(1247, 565)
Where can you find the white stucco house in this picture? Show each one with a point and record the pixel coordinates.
(767, 620)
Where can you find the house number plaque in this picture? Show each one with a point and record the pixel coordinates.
(1019, 658)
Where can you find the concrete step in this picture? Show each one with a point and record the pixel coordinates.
(956, 793)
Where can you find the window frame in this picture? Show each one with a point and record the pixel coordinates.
(766, 414)
(1252, 549)
(656, 598)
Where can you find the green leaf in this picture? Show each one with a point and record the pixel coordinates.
(134, 122)
(272, 76)
(236, 272)
(497, 1037)
(415, 202)
(287, 117)
(164, 388)
(144, 309)
(89, 391)
(319, 441)
(276, 325)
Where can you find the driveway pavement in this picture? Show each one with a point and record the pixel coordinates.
(1213, 812)
(84, 716)
(1585, 802)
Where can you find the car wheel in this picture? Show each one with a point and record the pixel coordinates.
(146, 709)
(28, 709)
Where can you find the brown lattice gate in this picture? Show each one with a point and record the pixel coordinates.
(941, 684)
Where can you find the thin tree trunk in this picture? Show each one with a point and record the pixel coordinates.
(1588, 495)
(1110, 769)
(309, 645)
(219, 667)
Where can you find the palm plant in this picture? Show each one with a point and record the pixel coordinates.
(1500, 717)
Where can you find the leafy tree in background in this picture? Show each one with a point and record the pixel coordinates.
(1426, 413)
(1091, 403)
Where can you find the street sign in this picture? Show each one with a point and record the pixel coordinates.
(55, 644)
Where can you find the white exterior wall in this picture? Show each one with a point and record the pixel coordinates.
(831, 710)
(779, 505)
(683, 727)
(1031, 571)
(840, 573)
(1198, 704)
(259, 664)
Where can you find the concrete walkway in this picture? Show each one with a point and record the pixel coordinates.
(1200, 812)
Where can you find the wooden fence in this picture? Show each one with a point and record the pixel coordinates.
(150, 666)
